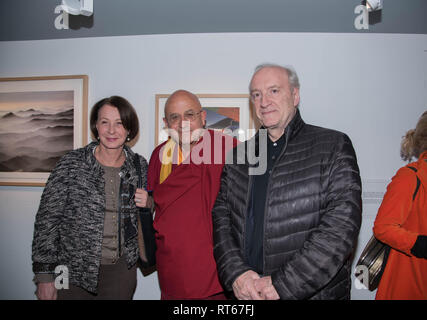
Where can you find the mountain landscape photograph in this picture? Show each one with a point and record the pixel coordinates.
(36, 129)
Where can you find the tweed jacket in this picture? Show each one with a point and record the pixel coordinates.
(69, 223)
(311, 220)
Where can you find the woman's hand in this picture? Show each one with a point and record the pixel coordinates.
(46, 291)
(142, 199)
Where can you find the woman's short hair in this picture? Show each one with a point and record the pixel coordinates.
(414, 143)
(127, 115)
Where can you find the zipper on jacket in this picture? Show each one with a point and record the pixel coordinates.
(288, 134)
(248, 198)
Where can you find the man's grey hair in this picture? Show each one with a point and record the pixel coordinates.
(292, 75)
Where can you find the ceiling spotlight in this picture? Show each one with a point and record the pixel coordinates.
(78, 7)
(373, 5)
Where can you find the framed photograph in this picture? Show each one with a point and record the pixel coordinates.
(229, 113)
(41, 118)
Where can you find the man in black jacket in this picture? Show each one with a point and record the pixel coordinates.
(289, 231)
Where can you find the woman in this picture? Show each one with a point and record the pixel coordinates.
(402, 222)
(87, 219)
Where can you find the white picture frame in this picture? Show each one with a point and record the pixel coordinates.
(51, 108)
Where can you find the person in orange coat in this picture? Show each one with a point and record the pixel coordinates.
(401, 222)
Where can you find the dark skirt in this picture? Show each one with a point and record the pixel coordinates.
(116, 282)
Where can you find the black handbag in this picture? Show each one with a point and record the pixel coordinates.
(373, 259)
(146, 220)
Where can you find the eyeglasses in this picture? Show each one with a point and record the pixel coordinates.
(272, 92)
(188, 116)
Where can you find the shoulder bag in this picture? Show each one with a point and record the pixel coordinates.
(373, 259)
(146, 232)
(374, 256)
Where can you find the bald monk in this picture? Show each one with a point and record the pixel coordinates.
(184, 175)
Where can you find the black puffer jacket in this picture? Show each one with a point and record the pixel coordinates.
(70, 221)
(312, 216)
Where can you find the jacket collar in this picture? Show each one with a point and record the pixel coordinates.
(423, 166)
(291, 131)
(295, 125)
(127, 166)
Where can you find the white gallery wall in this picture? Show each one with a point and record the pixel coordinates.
(371, 86)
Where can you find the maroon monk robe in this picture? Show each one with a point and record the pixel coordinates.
(183, 221)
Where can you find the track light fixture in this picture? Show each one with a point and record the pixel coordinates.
(374, 5)
(78, 7)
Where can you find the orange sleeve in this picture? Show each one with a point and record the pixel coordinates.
(394, 210)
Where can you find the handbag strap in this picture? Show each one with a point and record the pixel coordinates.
(138, 170)
(418, 181)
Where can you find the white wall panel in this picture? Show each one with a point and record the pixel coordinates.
(371, 86)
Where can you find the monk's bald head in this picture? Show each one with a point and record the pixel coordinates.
(183, 113)
(182, 98)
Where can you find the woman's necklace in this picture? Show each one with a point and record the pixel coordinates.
(112, 163)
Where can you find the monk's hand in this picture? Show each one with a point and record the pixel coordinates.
(142, 199)
(244, 286)
(265, 288)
